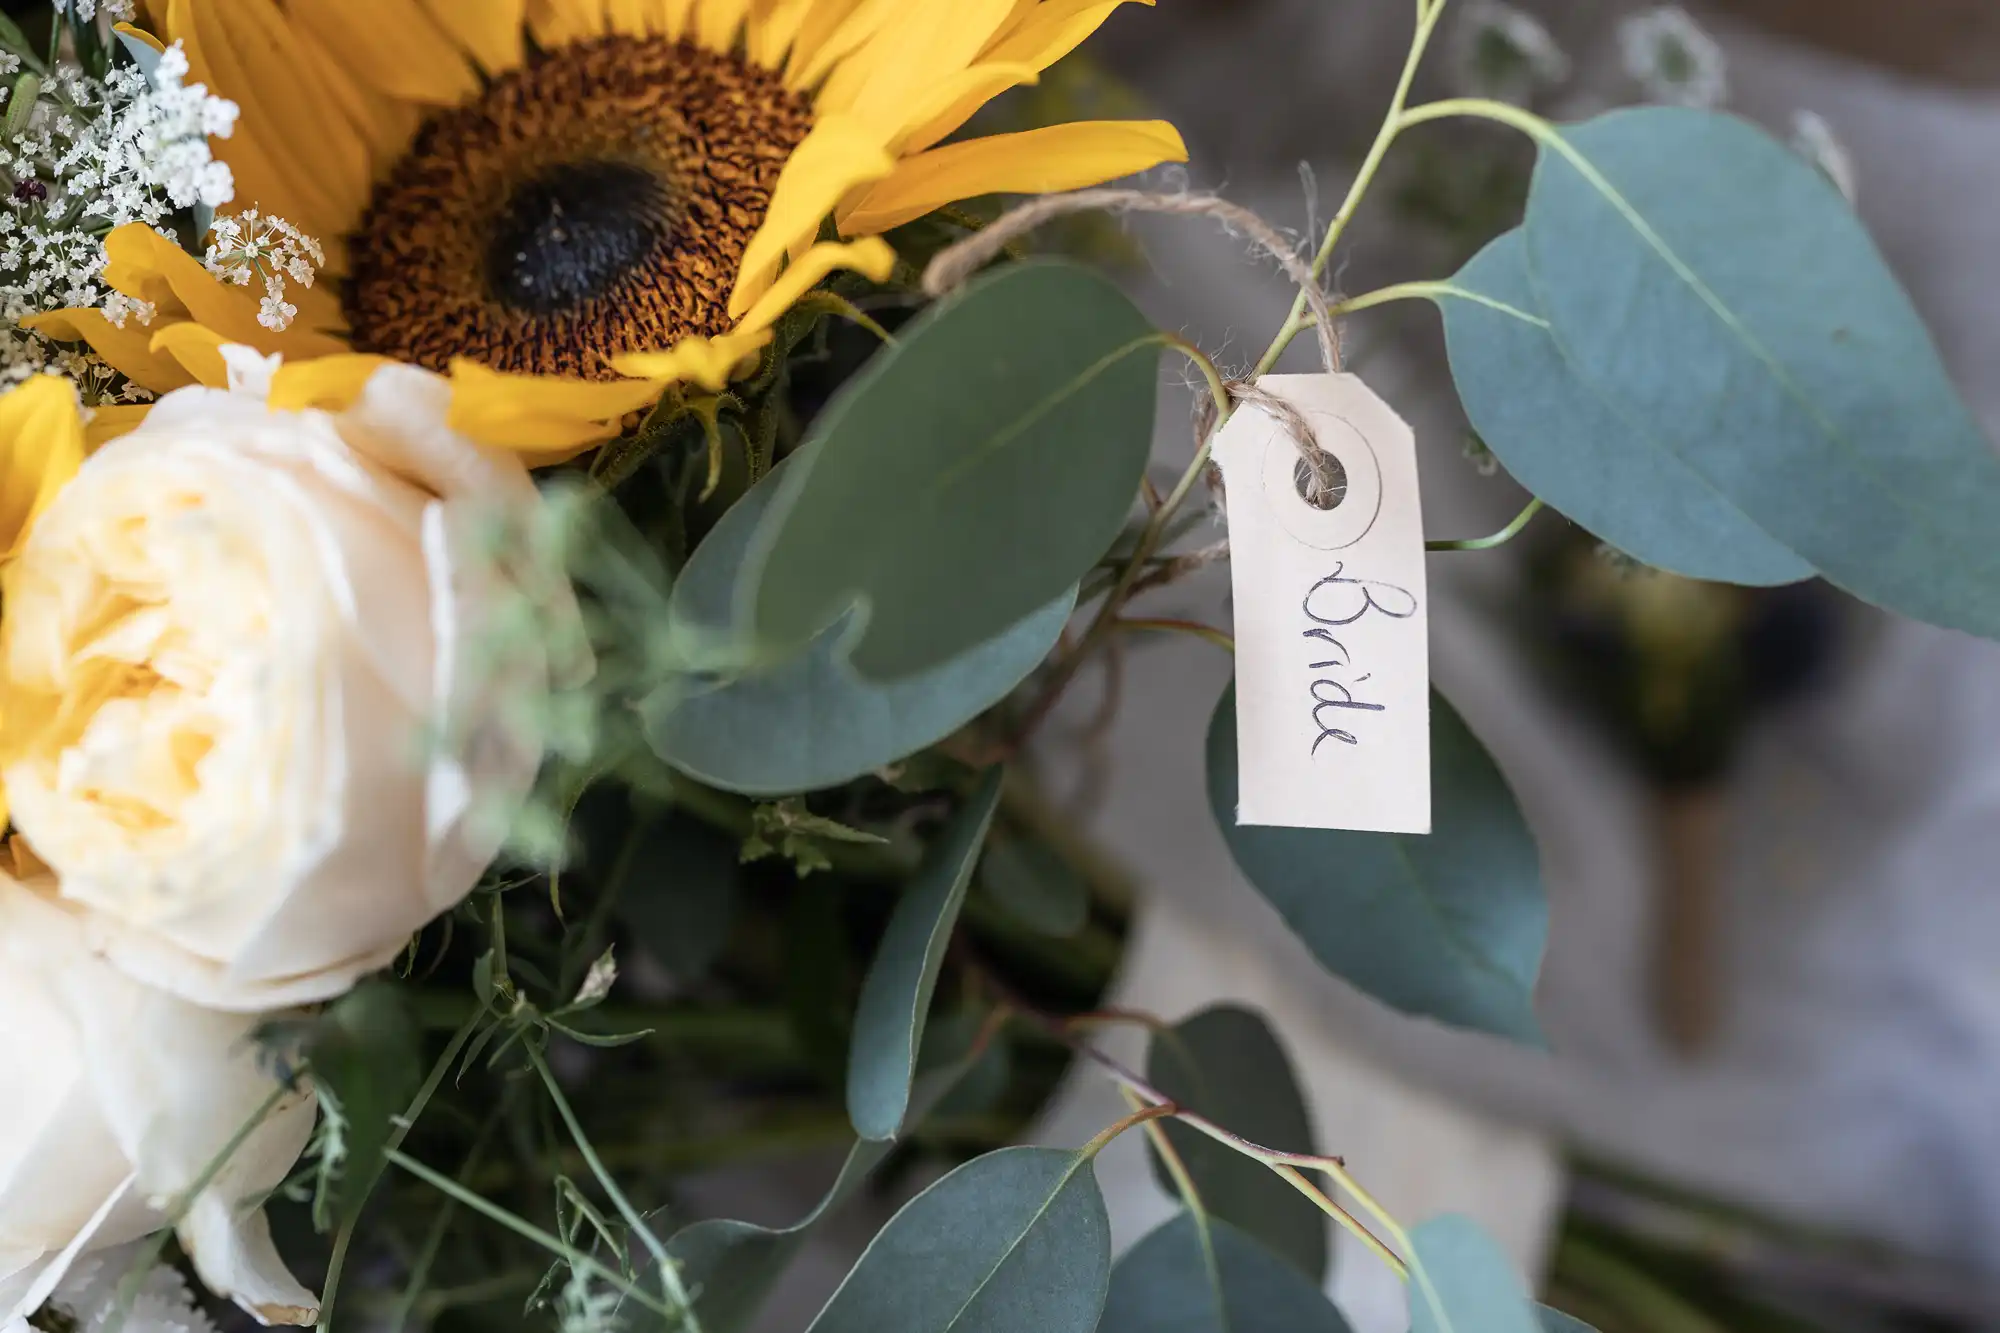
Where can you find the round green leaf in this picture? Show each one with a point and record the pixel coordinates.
(1566, 445)
(1191, 1277)
(1461, 1282)
(809, 722)
(1451, 926)
(974, 471)
(896, 997)
(1717, 291)
(1016, 1241)
(1227, 1064)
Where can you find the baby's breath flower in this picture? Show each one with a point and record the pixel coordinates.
(257, 245)
(92, 154)
(87, 1299)
(114, 11)
(1673, 58)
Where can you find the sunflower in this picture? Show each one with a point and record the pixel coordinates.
(570, 205)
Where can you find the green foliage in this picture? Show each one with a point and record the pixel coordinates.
(1203, 1275)
(790, 832)
(896, 998)
(1573, 449)
(1718, 293)
(366, 1066)
(807, 721)
(1226, 1064)
(1450, 926)
(1016, 1241)
(1461, 1282)
(1555, 1321)
(972, 473)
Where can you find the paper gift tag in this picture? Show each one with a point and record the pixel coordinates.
(1332, 633)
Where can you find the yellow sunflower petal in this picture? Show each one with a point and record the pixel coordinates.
(129, 350)
(537, 412)
(718, 21)
(951, 103)
(391, 46)
(490, 31)
(110, 420)
(555, 22)
(1051, 30)
(834, 30)
(838, 155)
(872, 257)
(41, 447)
(329, 383)
(197, 348)
(933, 45)
(290, 131)
(1044, 161)
(774, 28)
(644, 18)
(709, 362)
(140, 262)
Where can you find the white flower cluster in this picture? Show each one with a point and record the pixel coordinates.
(91, 155)
(256, 245)
(114, 11)
(87, 1298)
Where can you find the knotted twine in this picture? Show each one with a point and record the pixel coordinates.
(954, 265)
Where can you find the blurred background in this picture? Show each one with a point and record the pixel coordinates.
(1770, 822)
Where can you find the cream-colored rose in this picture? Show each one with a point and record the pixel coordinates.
(229, 652)
(118, 1097)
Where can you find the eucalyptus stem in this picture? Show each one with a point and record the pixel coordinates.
(1208, 633)
(1498, 539)
(528, 1231)
(1392, 125)
(670, 1273)
(1143, 1115)
(420, 1269)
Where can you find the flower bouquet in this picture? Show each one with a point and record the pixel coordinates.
(539, 536)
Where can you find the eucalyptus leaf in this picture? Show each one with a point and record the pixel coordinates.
(1555, 1321)
(1451, 926)
(1192, 1275)
(896, 997)
(1461, 1282)
(1718, 292)
(731, 1266)
(1016, 1241)
(1227, 1064)
(967, 477)
(678, 896)
(809, 722)
(1566, 445)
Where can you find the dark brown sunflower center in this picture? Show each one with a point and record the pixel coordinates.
(596, 201)
(574, 232)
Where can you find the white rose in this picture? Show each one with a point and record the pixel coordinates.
(228, 653)
(118, 1099)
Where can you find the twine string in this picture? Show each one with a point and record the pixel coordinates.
(954, 265)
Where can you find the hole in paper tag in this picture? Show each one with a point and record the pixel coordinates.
(1325, 527)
